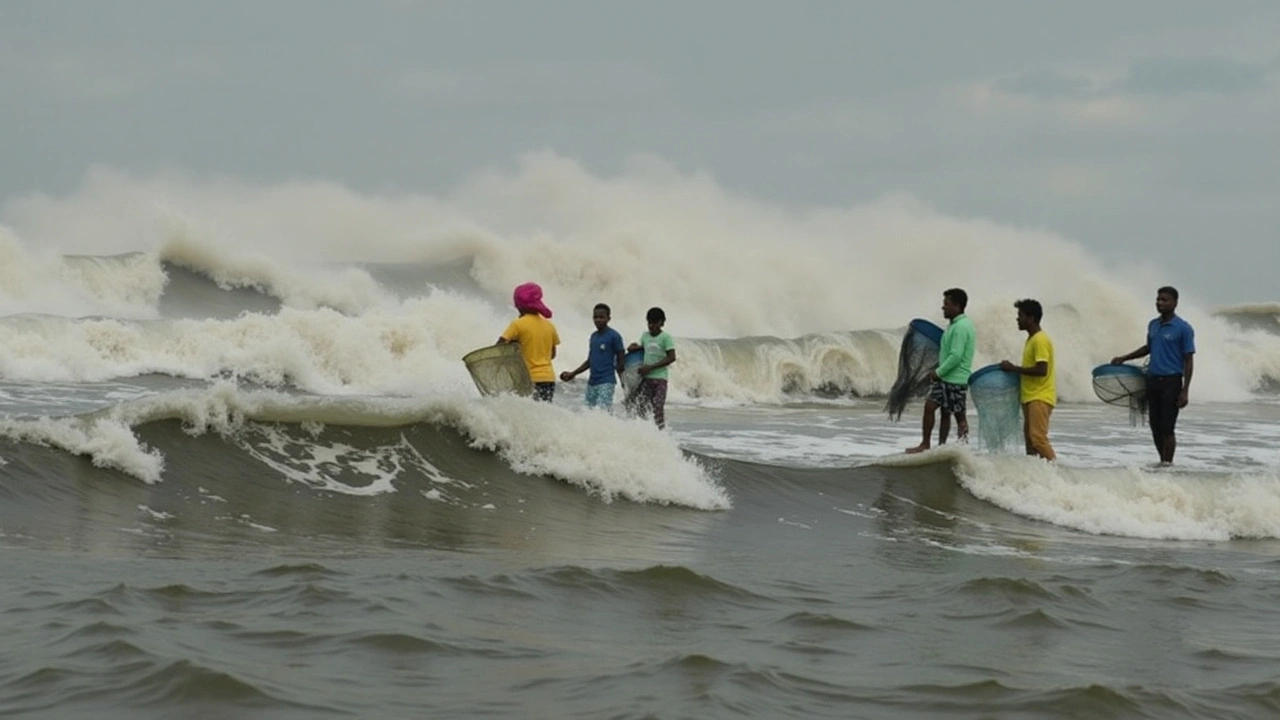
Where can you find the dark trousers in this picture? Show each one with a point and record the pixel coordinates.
(1162, 404)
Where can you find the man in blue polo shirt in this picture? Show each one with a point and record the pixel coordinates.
(605, 353)
(1171, 343)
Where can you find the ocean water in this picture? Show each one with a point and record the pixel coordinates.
(243, 471)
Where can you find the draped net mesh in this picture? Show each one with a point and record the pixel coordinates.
(630, 377)
(499, 369)
(995, 394)
(917, 359)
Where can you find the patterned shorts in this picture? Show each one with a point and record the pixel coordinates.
(544, 391)
(948, 396)
(600, 396)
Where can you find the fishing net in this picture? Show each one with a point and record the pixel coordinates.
(499, 369)
(995, 394)
(630, 377)
(1122, 385)
(917, 360)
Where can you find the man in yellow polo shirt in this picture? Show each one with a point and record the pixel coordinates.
(1038, 392)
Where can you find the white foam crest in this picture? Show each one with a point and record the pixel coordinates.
(413, 347)
(1255, 357)
(606, 455)
(766, 370)
(1132, 502)
(107, 437)
(108, 441)
(722, 265)
(114, 211)
(349, 290)
(42, 282)
(1262, 311)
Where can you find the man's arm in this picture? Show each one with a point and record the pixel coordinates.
(1143, 351)
(571, 374)
(670, 358)
(955, 354)
(948, 363)
(1188, 368)
(1188, 361)
(1040, 369)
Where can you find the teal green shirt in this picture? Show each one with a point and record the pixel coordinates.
(655, 350)
(955, 357)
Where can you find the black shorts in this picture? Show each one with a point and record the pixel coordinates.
(1162, 403)
(544, 391)
(949, 397)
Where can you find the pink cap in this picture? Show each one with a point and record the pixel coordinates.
(529, 297)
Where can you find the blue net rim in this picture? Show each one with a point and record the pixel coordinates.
(926, 328)
(634, 358)
(1110, 370)
(986, 370)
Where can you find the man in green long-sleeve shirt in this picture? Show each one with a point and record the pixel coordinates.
(951, 379)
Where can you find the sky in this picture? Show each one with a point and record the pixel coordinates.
(1144, 130)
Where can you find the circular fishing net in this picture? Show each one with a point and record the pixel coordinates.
(995, 394)
(1122, 385)
(499, 369)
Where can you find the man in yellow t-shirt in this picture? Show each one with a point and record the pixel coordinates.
(1038, 393)
(537, 337)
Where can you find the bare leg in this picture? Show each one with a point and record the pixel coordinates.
(1167, 450)
(962, 428)
(1156, 417)
(944, 428)
(926, 426)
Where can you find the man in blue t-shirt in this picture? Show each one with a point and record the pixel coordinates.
(1171, 343)
(605, 353)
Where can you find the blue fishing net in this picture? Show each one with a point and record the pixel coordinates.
(1122, 385)
(917, 359)
(630, 377)
(995, 393)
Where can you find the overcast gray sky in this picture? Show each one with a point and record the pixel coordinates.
(1139, 129)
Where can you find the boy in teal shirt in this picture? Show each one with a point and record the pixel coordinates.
(950, 380)
(659, 353)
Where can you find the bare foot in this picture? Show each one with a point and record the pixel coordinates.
(917, 449)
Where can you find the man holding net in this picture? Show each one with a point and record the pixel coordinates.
(1038, 391)
(955, 364)
(1171, 343)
